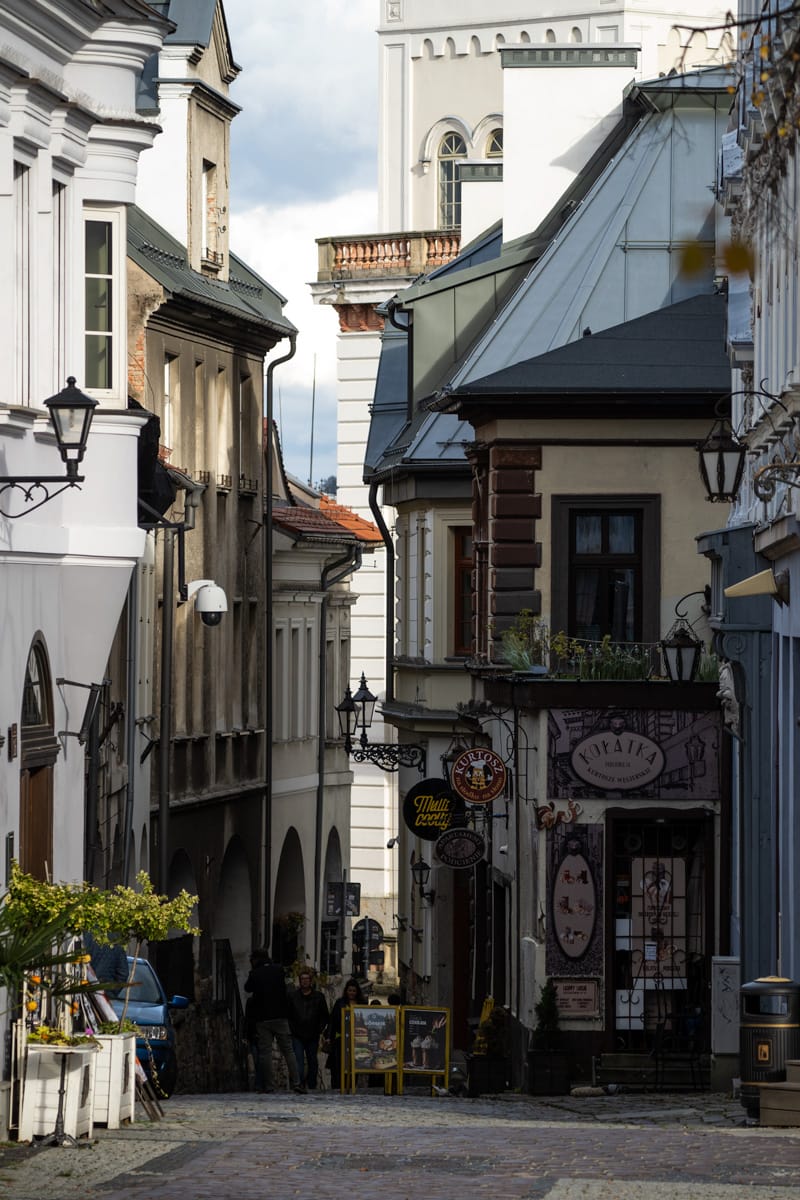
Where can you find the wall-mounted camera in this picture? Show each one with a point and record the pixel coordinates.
(210, 600)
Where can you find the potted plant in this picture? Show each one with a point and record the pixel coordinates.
(489, 1063)
(526, 644)
(548, 1066)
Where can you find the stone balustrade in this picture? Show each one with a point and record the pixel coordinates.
(400, 254)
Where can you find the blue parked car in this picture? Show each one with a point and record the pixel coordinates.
(149, 1009)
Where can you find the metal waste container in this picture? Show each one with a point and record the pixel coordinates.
(769, 1035)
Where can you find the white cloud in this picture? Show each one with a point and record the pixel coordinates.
(279, 243)
(303, 167)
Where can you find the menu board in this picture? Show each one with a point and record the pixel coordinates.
(426, 1038)
(373, 1033)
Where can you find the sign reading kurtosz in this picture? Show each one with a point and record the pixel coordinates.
(429, 808)
(460, 848)
(617, 760)
(478, 776)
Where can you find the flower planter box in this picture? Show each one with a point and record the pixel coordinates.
(487, 1075)
(114, 1079)
(40, 1087)
(548, 1073)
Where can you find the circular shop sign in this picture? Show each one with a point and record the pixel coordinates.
(478, 776)
(618, 761)
(429, 808)
(460, 848)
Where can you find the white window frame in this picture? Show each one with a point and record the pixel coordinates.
(115, 217)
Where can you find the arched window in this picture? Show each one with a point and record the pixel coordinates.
(452, 148)
(39, 749)
(550, 35)
(494, 144)
(576, 35)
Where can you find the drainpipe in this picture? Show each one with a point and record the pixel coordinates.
(266, 811)
(131, 659)
(349, 563)
(389, 618)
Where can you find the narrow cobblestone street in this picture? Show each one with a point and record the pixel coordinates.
(513, 1148)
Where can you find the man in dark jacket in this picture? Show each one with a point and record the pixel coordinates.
(267, 985)
(308, 1016)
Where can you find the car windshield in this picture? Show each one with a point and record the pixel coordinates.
(145, 989)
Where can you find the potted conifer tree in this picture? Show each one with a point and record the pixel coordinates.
(548, 1063)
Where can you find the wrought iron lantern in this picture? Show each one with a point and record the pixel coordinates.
(422, 873)
(355, 715)
(681, 649)
(721, 462)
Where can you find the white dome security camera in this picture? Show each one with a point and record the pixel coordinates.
(210, 600)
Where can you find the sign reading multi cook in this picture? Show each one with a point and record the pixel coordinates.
(617, 760)
(429, 808)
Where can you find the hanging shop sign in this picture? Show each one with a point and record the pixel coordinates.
(617, 761)
(430, 808)
(478, 776)
(460, 848)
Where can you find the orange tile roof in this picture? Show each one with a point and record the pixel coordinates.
(330, 520)
(364, 530)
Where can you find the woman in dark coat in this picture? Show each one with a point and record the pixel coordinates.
(351, 994)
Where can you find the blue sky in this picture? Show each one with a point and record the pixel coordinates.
(303, 166)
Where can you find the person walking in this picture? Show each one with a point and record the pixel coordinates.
(351, 994)
(267, 985)
(308, 1018)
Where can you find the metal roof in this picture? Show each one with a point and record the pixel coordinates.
(680, 348)
(244, 295)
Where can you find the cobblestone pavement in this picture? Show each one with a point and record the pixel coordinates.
(326, 1146)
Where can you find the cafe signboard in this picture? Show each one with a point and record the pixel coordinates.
(430, 808)
(478, 775)
(617, 760)
(460, 848)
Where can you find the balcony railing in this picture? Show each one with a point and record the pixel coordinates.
(581, 659)
(400, 254)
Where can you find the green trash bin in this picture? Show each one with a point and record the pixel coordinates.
(769, 1035)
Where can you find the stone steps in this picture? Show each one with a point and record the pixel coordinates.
(641, 1072)
(780, 1102)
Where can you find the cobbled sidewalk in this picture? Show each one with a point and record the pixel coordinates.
(326, 1146)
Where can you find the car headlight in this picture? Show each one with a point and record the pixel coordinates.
(153, 1033)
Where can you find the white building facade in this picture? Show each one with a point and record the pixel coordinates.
(70, 141)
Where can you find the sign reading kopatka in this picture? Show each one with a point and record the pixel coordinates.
(617, 760)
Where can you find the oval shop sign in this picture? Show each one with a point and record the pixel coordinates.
(478, 776)
(460, 848)
(617, 761)
(429, 808)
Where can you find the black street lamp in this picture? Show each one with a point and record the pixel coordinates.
(71, 412)
(422, 873)
(721, 462)
(355, 714)
(681, 647)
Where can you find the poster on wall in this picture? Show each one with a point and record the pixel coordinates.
(641, 753)
(575, 901)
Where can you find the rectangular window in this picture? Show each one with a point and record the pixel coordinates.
(98, 304)
(462, 591)
(168, 431)
(606, 567)
(59, 282)
(22, 280)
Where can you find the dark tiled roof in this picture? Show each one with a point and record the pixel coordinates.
(246, 295)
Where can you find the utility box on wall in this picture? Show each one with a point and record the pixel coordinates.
(725, 984)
